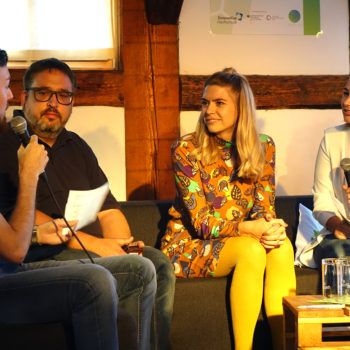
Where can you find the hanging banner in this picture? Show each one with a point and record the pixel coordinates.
(267, 17)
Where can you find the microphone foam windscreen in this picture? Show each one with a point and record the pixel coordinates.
(345, 164)
(18, 125)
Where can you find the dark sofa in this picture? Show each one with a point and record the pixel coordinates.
(201, 309)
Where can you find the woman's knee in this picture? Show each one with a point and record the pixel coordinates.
(243, 250)
(287, 248)
(283, 255)
(248, 248)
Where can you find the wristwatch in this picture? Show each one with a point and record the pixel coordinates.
(34, 240)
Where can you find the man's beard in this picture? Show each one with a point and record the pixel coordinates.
(41, 127)
(50, 132)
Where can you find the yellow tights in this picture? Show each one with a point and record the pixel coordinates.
(251, 261)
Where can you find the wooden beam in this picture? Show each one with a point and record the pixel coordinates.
(151, 100)
(276, 92)
(165, 68)
(140, 131)
(95, 87)
(106, 88)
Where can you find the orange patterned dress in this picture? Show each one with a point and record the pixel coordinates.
(210, 199)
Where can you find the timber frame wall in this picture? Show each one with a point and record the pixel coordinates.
(152, 93)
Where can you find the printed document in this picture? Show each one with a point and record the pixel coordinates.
(84, 205)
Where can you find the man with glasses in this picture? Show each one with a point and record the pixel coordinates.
(82, 296)
(47, 100)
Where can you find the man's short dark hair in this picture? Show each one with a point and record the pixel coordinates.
(47, 64)
(3, 58)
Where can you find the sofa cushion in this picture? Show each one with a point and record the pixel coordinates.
(287, 208)
(308, 229)
(147, 219)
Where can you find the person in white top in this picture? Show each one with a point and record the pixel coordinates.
(330, 189)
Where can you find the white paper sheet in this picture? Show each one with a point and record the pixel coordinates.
(84, 205)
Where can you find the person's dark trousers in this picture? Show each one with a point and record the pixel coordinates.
(331, 247)
(80, 296)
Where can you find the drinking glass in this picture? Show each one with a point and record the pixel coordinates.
(344, 279)
(330, 277)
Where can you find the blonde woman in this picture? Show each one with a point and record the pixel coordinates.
(223, 218)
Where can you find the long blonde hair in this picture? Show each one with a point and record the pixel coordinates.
(249, 157)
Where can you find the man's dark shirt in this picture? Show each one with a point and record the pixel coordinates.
(72, 166)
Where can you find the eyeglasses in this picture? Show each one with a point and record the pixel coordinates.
(44, 95)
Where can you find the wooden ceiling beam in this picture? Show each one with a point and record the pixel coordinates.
(276, 92)
(95, 87)
(106, 88)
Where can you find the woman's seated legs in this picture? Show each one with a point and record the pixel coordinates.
(248, 257)
(279, 282)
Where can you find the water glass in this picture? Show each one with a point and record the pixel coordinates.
(344, 279)
(330, 277)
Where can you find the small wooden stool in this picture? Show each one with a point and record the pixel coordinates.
(314, 328)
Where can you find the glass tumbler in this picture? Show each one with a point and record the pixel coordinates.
(344, 279)
(330, 277)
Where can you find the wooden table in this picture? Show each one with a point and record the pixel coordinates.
(313, 328)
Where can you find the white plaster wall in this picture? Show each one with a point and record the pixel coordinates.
(103, 128)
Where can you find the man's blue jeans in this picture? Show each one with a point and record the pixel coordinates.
(82, 296)
(134, 287)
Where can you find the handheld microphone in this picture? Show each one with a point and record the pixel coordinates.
(19, 126)
(345, 165)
